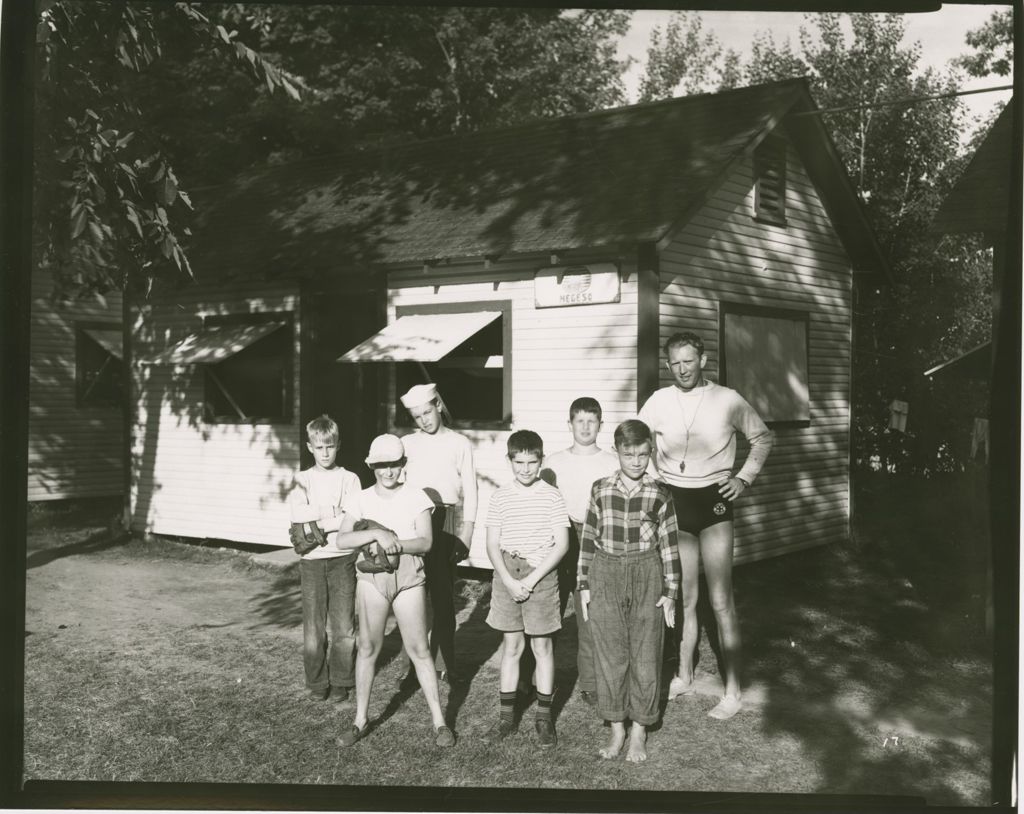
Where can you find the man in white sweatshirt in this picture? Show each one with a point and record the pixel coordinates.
(694, 423)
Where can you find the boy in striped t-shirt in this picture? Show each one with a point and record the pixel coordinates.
(527, 535)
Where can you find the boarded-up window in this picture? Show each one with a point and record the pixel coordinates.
(474, 378)
(764, 358)
(254, 384)
(770, 180)
(99, 377)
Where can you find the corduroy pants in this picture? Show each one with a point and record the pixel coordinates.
(628, 631)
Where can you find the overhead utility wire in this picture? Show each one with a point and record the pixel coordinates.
(907, 101)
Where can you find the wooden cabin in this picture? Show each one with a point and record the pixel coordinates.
(76, 397)
(518, 268)
(980, 203)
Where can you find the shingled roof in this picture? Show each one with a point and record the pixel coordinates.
(630, 174)
(980, 199)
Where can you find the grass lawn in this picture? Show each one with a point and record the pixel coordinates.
(868, 672)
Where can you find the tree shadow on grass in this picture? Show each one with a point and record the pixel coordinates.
(280, 605)
(885, 689)
(475, 641)
(101, 540)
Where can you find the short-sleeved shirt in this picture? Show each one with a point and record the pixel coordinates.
(528, 517)
(325, 487)
(575, 474)
(442, 464)
(397, 513)
(625, 518)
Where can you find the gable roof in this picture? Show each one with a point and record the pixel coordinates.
(617, 176)
(980, 199)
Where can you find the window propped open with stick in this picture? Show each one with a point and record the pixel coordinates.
(248, 366)
(463, 348)
(99, 378)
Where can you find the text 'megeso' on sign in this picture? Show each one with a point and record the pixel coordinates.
(559, 286)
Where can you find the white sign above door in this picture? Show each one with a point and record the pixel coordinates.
(561, 286)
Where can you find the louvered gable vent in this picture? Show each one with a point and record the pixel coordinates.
(770, 180)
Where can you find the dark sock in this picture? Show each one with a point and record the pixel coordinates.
(544, 706)
(508, 705)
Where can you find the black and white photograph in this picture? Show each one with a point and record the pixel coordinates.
(510, 407)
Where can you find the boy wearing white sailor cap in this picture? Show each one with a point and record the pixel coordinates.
(440, 462)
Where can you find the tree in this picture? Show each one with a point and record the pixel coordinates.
(768, 61)
(382, 74)
(686, 59)
(993, 44)
(107, 201)
(175, 114)
(902, 157)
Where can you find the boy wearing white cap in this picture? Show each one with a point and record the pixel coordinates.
(392, 518)
(440, 462)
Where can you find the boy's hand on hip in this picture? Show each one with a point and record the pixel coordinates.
(585, 603)
(668, 607)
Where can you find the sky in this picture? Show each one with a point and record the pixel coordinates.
(941, 34)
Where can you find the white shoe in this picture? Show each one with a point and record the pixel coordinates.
(726, 708)
(678, 687)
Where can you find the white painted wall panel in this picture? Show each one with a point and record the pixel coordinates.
(193, 478)
(558, 354)
(73, 451)
(802, 496)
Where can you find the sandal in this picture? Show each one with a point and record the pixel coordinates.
(351, 736)
(445, 737)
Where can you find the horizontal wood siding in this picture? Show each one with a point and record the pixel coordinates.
(558, 354)
(192, 478)
(802, 497)
(73, 452)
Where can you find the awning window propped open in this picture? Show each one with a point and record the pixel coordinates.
(214, 344)
(421, 338)
(110, 340)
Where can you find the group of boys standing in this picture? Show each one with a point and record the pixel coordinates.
(584, 521)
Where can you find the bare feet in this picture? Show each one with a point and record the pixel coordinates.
(615, 744)
(637, 752)
(726, 708)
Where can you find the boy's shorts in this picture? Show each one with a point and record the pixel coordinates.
(409, 574)
(538, 615)
(696, 509)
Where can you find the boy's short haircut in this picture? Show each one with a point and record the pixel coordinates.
(525, 441)
(585, 404)
(632, 433)
(681, 338)
(322, 428)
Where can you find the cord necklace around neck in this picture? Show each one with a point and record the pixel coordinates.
(687, 425)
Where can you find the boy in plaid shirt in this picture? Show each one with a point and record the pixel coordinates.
(628, 580)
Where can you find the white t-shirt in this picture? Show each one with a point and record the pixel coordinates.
(443, 462)
(324, 487)
(574, 474)
(710, 416)
(398, 512)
